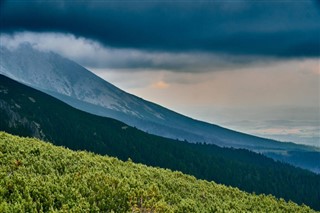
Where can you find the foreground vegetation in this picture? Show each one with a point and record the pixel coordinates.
(39, 177)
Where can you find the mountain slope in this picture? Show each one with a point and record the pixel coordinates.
(28, 112)
(81, 89)
(37, 176)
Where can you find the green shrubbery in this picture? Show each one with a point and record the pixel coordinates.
(39, 177)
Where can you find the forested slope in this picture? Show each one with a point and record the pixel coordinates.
(37, 176)
(28, 112)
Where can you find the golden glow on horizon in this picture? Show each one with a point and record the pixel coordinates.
(160, 85)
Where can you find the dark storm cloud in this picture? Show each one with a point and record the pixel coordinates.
(267, 28)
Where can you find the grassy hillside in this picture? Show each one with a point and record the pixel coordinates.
(28, 112)
(37, 176)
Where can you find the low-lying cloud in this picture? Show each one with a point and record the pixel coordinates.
(94, 55)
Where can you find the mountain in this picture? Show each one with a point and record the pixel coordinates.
(40, 177)
(28, 112)
(75, 85)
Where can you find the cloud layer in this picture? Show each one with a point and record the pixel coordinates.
(266, 28)
(94, 55)
(271, 47)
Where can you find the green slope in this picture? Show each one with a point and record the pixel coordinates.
(28, 112)
(37, 176)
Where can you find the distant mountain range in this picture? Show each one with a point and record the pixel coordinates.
(78, 87)
(28, 112)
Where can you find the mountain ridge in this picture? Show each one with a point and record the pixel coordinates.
(75, 85)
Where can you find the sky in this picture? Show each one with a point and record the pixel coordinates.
(252, 66)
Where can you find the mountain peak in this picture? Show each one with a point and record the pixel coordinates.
(51, 72)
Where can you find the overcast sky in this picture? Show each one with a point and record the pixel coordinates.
(252, 66)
